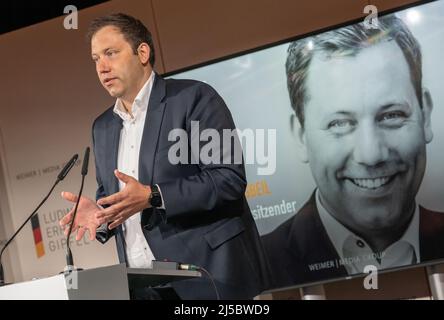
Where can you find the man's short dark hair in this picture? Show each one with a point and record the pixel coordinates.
(133, 30)
(349, 41)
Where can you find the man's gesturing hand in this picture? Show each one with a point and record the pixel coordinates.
(122, 205)
(85, 217)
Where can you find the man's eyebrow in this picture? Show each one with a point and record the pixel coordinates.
(103, 51)
(395, 103)
(343, 113)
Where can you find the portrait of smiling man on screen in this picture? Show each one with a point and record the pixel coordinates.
(363, 120)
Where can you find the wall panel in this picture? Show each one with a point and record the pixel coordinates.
(196, 31)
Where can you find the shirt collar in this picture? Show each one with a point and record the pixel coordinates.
(339, 234)
(140, 103)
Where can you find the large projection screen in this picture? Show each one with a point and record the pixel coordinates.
(356, 180)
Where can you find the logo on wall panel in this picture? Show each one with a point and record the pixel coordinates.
(38, 240)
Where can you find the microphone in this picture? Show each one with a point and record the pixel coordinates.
(60, 177)
(85, 162)
(69, 259)
(67, 168)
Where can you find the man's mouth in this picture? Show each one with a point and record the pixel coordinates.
(108, 80)
(372, 183)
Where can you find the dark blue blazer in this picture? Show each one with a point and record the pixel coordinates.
(206, 221)
(302, 240)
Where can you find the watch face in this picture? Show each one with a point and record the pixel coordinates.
(156, 200)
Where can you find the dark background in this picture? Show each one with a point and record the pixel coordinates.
(22, 13)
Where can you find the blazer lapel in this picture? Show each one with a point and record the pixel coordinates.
(150, 137)
(431, 234)
(112, 184)
(112, 144)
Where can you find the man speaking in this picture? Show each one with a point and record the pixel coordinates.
(193, 212)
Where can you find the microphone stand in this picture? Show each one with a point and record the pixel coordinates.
(69, 258)
(60, 177)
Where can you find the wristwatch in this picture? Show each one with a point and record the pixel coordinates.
(155, 199)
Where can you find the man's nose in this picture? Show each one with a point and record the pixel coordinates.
(370, 147)
(102, 66)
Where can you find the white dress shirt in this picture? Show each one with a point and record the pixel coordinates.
(138, 252)
(355, 253)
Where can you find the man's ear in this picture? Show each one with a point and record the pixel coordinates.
(144, 53)
(427, 107)
(299, 132)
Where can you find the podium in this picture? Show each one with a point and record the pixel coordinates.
(105, 283)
